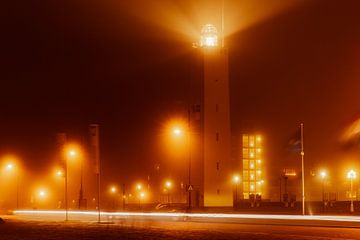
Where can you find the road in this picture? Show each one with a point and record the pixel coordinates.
(171, 227)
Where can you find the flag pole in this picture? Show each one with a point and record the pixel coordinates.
(302, 168)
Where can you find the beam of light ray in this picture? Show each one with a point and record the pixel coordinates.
(50, 213)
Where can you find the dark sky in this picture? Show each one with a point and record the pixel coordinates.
(123, 64)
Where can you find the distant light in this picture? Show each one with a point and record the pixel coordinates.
(209, 36)
(168, 184)
(59, 173)
(351, 174)
(259, 150)
(138, 187)
(142, 195)
(113, 189)
(72, 153)
(236, 179)
(42, 193)
(258, 139)
(9, 166)
(323, 174)
(177, 131)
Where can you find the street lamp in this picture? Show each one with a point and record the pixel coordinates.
(11, 167)
(351, 175)
(236, 181)
(113, 191)
(323, 176)
(178, 131)
(69, 154)
(168, 185)
(141, 196)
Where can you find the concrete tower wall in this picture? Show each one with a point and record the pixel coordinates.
(216, 129)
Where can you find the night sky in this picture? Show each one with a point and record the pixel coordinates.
(124, 65)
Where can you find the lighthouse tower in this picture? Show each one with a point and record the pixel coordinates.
(217, 188)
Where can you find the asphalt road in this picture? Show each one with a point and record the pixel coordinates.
(20, 227)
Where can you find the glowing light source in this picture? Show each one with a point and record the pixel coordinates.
(236, 179)
(42, 193)
(177, 131)
(168, 184)
(209, 36)
(323, 174)
(142, 195)
(351, 174)
(9, 166)
(59, 173)
(113, 189)
(138, 186)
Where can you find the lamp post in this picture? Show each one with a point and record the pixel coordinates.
(113, 191)
(69, 155)
(351, 175)
(177, 131)
(323, 176)
(11, 167)
(141, 196)
(168, 185)
(236, 180)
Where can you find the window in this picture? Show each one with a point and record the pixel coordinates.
(245, 153)
(245, 140)
(245, 164)
(246, 175)
(252, 164)
(246, 186)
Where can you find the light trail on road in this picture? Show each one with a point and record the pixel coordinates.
(74, 214)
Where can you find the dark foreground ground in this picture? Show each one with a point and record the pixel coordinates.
(16, 228)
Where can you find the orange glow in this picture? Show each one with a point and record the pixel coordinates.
(236, 179)
(59, 173)
(209, 36)
(72, 151)
(138, 187)
(10, 163)
(113, 189)
(351, 174)
(323, 174)
(168, 184)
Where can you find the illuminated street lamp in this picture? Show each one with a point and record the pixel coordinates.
(323, 176)
(177, 131)
(138, 187)
(236, 181)
(351, 175)
(59, 173)
(168, 185)
(113, 191)
(69, 154)
(11, 167)
(141, 196)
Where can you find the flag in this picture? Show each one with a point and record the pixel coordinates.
(294, 142)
